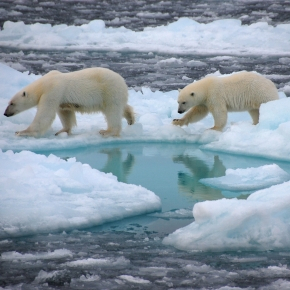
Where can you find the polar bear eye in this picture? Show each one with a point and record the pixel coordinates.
(192, 94)
(24, 94)
(183, 103)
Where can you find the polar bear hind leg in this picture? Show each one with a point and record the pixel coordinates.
(114, 121)
(129, 115)
(255, 116)
(68, 120)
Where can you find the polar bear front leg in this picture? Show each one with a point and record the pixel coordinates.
(68, 120)
(40, 124)
(46, 111)
(194, 114)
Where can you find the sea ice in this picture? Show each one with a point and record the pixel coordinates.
(44, 194)
(261, 222)
(249, 178)
(91, 262)
(56, 254)
(226, 36)
(136, 280)
(267, 139)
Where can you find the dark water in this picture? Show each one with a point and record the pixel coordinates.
(148, 259)
(143, 69)
(137, 258)
(136, 15)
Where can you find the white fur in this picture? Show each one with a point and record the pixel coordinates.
(86, 91)
(243, 91)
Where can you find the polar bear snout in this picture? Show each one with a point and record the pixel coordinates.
(183, 106)
(181, 109)
(8, 113)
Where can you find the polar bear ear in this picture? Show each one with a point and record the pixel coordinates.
(24, 94)
(192, 94)
(179, 90)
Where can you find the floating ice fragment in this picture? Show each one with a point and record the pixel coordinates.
(176, 214)
(56, 254)
(259, 223)
(196, 63)
(173, 62)
(90, 278)
(44, 194)
(132, 279)
(105, 262)
(52, 277)
(249, 178)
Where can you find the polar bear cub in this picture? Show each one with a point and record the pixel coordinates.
(86, 91)
(242, 91)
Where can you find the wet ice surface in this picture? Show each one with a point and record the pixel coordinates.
(130, 254)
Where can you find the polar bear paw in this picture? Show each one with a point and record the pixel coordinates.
(177, 122)
(215, 128)
(107, 133)
(68, 131)
(25, 133)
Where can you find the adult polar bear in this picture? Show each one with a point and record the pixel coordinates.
(242, 91)
(85, 91)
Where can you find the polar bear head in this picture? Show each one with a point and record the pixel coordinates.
(192, 95)
(25, 99)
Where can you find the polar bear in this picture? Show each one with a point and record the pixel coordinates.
(86, 91)
(242, 91)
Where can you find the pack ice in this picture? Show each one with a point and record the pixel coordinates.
(226, 36)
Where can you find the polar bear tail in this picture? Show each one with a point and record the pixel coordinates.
(129, 115)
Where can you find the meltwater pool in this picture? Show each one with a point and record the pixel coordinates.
(171, 171)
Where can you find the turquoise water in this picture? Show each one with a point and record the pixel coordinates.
(171, 171)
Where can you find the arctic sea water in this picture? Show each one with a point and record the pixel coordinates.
(161, 207)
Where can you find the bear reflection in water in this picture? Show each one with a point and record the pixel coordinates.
(190, 185)
(117, 166)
